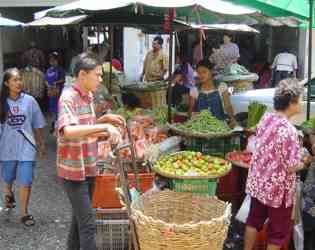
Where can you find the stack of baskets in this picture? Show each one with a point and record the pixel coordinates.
(112, 229)
(149, 98)
(169, 220)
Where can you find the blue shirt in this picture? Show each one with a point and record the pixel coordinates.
(24, 113)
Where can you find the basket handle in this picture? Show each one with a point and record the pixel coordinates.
(120, 192)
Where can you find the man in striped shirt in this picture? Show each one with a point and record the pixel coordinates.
(78, 132)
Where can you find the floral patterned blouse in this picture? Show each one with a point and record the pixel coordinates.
(277, 150)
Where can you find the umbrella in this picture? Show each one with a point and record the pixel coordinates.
(5, 22)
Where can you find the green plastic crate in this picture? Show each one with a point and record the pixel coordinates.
(216, 147)
(201, 186)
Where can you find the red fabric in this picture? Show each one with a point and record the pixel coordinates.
(116, 64)
(76, 158)
(280, 224)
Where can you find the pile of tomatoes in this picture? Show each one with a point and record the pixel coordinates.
(242, 157)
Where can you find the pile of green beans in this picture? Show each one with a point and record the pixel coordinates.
(204, 123)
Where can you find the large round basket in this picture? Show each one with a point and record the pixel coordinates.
(158, 171)
(185, 134)
(169, 221)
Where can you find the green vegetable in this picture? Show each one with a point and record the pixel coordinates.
(124, 113)
(310, 124)
(147, 86)
(160, 115)
(256, 111)
(204, 123)
(182, 107)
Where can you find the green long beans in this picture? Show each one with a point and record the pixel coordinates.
(204, 123)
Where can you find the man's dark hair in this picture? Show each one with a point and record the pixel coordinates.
(205, 63)
(130, 100)
(159, 40)
(86, 62)
(228, 34)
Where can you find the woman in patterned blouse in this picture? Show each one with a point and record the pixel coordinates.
(272, 176)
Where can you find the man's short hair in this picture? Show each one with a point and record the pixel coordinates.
(159, 40)
(85, 62)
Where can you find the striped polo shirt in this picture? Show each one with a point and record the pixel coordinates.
(76, 158)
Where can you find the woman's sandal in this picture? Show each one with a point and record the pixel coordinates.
(9, 201)
(28, 220)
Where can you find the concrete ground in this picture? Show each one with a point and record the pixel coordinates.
(50, 208)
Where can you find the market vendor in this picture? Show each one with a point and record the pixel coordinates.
(209, 96)
(182, 65)
(230, 50)
(155, 63)
(179, 89)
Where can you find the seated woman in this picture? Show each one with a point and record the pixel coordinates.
(209, 96)
(186, 69)
(179, 89)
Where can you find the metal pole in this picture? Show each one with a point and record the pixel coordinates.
(111, 48)
(310, 48)
(170, 76)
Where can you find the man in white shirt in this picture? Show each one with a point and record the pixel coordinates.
(284, 66)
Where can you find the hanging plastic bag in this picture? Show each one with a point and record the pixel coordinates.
(298, 232)
(251, 145)
(243, 213)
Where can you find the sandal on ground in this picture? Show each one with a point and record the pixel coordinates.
(28, 220)
(9, 201)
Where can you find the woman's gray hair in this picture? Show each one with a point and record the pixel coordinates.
(288, 91)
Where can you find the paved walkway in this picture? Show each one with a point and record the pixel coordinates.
(48, 205)
(51, 209)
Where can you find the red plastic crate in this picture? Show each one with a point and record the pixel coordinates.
(105, 195)
(261, 240)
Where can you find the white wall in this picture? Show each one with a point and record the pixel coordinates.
(136, 46)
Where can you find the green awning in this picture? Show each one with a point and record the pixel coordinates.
(277, 8)
(196, 11)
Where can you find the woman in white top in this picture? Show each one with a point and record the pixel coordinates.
(210, 97)
(230, 50)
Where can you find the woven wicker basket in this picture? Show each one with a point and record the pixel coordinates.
(185, 134)
(150, 99)
(169, 221)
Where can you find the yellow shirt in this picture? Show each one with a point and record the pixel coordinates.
(154, 65)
